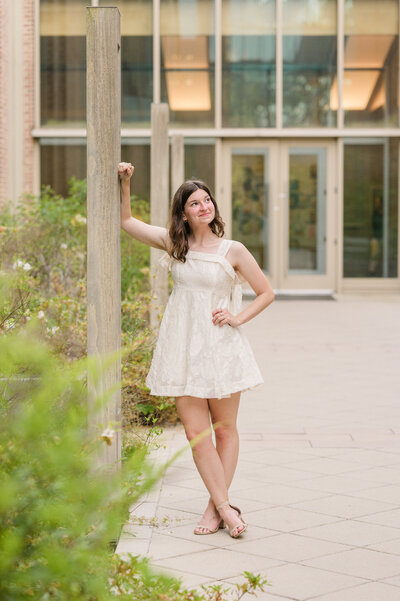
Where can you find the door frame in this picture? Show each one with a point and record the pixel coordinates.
(278, 208)
(318, 282)
(263, 146)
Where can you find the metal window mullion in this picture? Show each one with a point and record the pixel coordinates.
(218, 63)
(156, 52)
(279, 64)
(340, 61)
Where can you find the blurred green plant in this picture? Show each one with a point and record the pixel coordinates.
(43, 249)
(58, 512)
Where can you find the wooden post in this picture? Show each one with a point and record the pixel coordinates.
(159, 204)
(103, 219)
(177, 162)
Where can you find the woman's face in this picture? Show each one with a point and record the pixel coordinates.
(199, 209)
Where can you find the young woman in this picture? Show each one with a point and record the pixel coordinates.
(202, 357)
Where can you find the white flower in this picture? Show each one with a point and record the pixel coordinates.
(54, 329)
(10, 324)
(40, 315)
(18, 263)
(27, 267)
(108, 436)
(63, 246)
(80, 218)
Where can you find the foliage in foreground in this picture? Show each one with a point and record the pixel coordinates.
(43, 247)
(58, 513)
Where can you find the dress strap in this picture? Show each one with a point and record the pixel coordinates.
(224, 247)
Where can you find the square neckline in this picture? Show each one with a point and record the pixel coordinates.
(199, 252)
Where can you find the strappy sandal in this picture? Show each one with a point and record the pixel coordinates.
(209, 531)
(235, 533)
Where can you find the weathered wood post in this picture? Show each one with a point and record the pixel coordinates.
(159, 203)
(103, 218)
(177, 162)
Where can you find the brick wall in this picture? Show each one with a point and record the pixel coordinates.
(27, 47)
(3, 100)
(29, 66)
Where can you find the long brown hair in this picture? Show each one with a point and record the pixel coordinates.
(179, 229)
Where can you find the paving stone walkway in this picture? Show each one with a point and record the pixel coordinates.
(318, 478)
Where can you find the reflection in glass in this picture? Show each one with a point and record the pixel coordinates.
(370, 211)
(248, 63)
(199, 162)
(63, 62)
(187, 61)
(136, 60)
(63, 158)
(307, 215)
(137, 152)
(371, 63)
(136, 80)
(309, 62)
(250, 203)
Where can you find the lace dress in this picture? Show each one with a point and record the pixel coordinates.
(193, 356)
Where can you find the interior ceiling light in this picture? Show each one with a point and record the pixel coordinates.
(188, 82)
(185, 53)
(358, 87)
(188, 90)
(364, 58)
(366, 51)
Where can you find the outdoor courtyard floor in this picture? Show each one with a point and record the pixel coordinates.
(318, 478)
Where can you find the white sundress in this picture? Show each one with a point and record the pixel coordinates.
(194, 357)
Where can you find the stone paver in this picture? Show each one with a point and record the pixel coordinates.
(318, 478)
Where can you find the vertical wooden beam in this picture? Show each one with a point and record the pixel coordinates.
(159, 203)
(103, 219)
(177, 162)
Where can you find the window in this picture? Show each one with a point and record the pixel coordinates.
(309, 63)
(371, 63)
(248, 69)
(370, 208)
(187, 61)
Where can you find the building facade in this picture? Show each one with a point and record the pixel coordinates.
(289, 110)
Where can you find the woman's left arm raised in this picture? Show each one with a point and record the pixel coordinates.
(244, 263)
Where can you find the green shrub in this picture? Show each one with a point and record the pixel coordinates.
(43, 246)
(58, 512)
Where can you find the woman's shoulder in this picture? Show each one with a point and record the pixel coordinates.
(236, 247)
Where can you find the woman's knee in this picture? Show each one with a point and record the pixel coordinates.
(196, 435)
(225, 432)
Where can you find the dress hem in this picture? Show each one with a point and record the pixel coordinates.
(175, 391)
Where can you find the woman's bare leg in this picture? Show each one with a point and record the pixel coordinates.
(224, 412)
(194, 414)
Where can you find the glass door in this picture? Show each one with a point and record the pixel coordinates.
(308, 223)
(250, 202)
(248, 213)
(280, 205)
